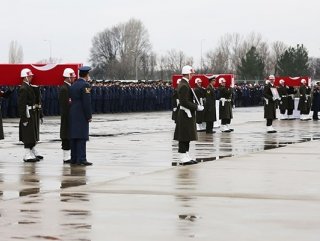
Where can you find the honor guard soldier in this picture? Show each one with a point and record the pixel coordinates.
(27, 125)
(270, 103)
(3, 94)
(304, 101)
(65, 102)
(316, 101)
(185, 130)
(225, 106)
(37, 109)
(210, 115)
(200, 93)
(283, 104)
(80, 116)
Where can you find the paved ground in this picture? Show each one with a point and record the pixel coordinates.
(251, 185)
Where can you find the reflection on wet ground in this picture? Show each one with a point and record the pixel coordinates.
(120, 147)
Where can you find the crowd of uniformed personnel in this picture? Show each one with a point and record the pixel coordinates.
(106, 97)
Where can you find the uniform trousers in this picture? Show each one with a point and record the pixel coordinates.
(78, 150)
(225, 121)
(65, 145)
(29, 145)
(184, 146)
(209, 126)
(269, 122)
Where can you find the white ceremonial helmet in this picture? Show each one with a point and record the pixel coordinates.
(271, 77)
(187, 70)
(68, 72)
(25, 73)
(281, 81)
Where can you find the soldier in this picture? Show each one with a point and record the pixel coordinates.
(3, 94)
(200, 93)
(37, 109)
(27, 125)
(80, 116)
(304, 101)
(291, 92)
(175, 103)
(185, 130)
(270, 103)
(283, 104)
(65, 102)
(210, 115)
(316, 101)
(225, 106)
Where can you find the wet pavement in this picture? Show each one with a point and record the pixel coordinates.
(250, 186)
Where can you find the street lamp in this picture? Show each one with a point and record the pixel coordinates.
(201, 55)
(50, 48)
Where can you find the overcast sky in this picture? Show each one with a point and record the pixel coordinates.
(70, 25)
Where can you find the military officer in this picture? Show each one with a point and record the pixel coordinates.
(225, 106)
(27, 125)
(185, 130)
(37, 109)
(65, 102)
(270, 103)
(80, 116)
(210, 106)
(283, 104)
(304, 101)
(3, 94)
(200, 93)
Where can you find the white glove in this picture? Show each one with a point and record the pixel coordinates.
(274, 98)
(174, 109)
(200, 108)
(25, 123)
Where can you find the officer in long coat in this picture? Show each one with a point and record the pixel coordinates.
(175, 103)
(304, 101)
(200, 93)
(65, 102)
(316, 101)
(80, 116)
(291, 93)
(210, 114)
(37, 109)
(225, 106)
(283, 103)
(185, 130)
(27, 125)
(270, 103)
(3, 94)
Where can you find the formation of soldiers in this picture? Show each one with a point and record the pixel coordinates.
(106, 97)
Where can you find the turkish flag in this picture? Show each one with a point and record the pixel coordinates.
(43, 74)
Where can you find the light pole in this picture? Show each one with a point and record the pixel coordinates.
(50, 48)
(201, 54)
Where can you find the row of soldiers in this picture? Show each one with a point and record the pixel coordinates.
(207, 97)
(109, 97)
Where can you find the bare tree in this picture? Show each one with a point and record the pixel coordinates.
(117, 53)
(277, 49)
(15, 53)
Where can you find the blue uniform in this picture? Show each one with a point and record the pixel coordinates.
(80, 114)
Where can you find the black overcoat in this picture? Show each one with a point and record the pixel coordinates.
(185, 127)
(210, 105)
(26, 99)
(269, 103)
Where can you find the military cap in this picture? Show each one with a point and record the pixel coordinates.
(84, 69)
